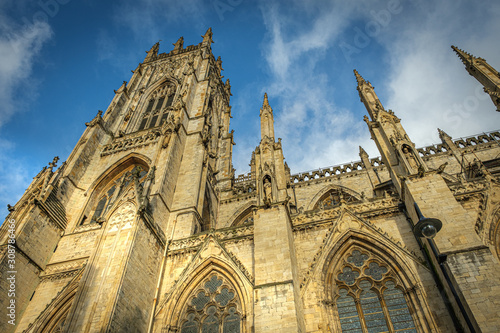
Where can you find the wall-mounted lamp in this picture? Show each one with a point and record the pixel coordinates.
(426, 227)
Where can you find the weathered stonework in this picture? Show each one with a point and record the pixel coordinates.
(145, 228)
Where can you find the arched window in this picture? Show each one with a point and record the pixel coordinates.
(110, 192)
(369, 297)
(157, 106)
(333, 197)
(214, 307)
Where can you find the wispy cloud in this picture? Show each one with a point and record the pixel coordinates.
(429, 86)
(424, 83)
(18, 48)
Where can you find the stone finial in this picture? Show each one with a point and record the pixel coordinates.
(53, 164)
(443, 135)
(153, 52)
(265, 104)
(362, 152)
(227, 87)
(207, 37)
(219, 63)
(179, 44)
(10, 208)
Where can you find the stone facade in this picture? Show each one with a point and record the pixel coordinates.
(145, 228)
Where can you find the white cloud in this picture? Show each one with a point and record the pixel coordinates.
(429, 86)
(18, 49)
(425, 83)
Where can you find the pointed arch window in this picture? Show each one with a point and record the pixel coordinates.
(157, 107)
(333, 198)
(110, 192)
(214, 307)
(369, 297)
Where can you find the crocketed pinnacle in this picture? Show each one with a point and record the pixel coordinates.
(266, 101)
(464, 56)
(359, 78)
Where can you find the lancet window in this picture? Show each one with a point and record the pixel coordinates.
(369, 296)
(157, 107)
(213, 307)
(114, 189)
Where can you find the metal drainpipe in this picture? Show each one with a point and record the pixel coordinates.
(160, 278)
(447, 302)
(441, 259)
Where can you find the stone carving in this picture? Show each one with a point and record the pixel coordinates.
(131, 141)
(97, 119)
(268, 191)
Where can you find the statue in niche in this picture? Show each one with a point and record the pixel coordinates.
(410, 157)
(268, 191)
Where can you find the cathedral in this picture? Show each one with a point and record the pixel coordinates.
(146, 228)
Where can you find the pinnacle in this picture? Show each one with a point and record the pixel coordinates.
(442, 134)
(464, 56)
(362, 151)
(266, 101)
(359, 78)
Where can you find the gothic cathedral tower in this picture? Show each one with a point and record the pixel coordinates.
(146, 228)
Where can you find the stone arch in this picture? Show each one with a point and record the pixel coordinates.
(494, 231)
(102, 183)
(241, 213)
(53, 319)
(382, 254)
(187, 288)
(321, 193)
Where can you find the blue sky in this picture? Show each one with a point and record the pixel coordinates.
(61, 60)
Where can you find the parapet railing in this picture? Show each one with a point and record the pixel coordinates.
(493, 136)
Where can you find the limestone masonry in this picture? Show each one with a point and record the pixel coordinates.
(146, 228)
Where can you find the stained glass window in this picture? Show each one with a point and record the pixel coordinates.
(368, 298)
(213, 308)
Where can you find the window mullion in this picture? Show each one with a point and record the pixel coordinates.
(357, 301)
(386, 313)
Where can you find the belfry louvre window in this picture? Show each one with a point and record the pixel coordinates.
(157, 106)
(213, 307)
(369, 297)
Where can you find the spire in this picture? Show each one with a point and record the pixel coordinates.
(266, 119)
(359, 78)
(466, 58)
(483, 72)
(207, 37)
(368, 96)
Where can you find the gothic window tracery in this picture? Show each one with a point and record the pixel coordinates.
(333, 198)
(369, 297)
(213, 307)
(157, 107)
(110, 192)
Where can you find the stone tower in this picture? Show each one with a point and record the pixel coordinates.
(146, 228)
